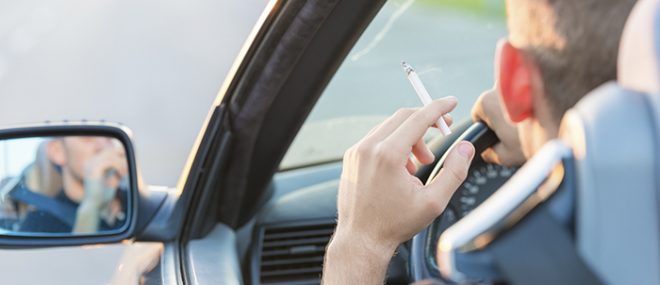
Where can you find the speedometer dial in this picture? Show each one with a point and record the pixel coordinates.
(479, 185)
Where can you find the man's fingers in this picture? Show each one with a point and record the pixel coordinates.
(489, 155)
(422, 152)
(501, 155)
(483, 108)
(448, 119)
(415, 126)
(410, 166)
(451, 176)
(390, 124)
(120, 165)
(372, 130)
(112, 182)
(496, 154)
(477, 111)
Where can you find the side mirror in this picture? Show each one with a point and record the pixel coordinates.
(67, 184)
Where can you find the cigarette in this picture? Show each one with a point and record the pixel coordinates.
(423, 94)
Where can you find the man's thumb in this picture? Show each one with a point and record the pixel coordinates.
(453, 172)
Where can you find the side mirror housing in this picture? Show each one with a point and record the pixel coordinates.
(67, 184)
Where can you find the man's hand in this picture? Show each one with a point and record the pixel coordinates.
(508, 151)
(108, 165)
(103, 173)
(381, 203)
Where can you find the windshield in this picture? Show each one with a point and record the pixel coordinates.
(451, 44)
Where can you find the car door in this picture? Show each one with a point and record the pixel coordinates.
(295, 52)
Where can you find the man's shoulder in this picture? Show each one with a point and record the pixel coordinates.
(37, 220)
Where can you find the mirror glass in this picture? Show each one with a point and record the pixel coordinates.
(64, 185)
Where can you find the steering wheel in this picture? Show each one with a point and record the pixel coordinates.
(483, 180)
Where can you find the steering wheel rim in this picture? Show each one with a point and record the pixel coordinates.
(482, 138)
(478, 134)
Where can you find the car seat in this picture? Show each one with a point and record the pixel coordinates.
(601, 223)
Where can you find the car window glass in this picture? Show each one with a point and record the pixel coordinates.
(450, 43)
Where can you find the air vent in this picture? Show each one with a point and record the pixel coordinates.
(294, 254)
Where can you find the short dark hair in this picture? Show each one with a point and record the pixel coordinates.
(575, 43)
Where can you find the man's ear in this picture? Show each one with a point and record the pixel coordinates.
(515, 82)
(55, 152)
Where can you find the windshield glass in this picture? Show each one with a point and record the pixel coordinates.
(451, 44)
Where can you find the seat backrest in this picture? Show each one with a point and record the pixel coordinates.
(615, 136)
(639, 55)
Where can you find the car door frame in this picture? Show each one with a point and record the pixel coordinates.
(288, 60)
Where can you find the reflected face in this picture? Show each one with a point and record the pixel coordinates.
(73, 153)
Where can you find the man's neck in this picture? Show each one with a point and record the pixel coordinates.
(73, 187)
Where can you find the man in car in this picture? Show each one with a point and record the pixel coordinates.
(86, 201)
(557, 51)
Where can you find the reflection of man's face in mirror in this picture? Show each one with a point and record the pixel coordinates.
(86, 158)
(89, 172)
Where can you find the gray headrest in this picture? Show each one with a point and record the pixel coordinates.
(639, 52)
(612, 134)
(615, 136)
(639, 56)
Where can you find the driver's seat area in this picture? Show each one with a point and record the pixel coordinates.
(607, 207)
(615, 136)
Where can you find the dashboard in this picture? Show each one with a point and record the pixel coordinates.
(285, 243)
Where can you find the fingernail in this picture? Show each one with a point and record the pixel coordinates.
(450, 98)
(466, 149)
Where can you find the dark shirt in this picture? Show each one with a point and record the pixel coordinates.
(38, 220)
(42, 221)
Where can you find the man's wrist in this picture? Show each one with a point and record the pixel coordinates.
(355, 259)
(355, 243)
